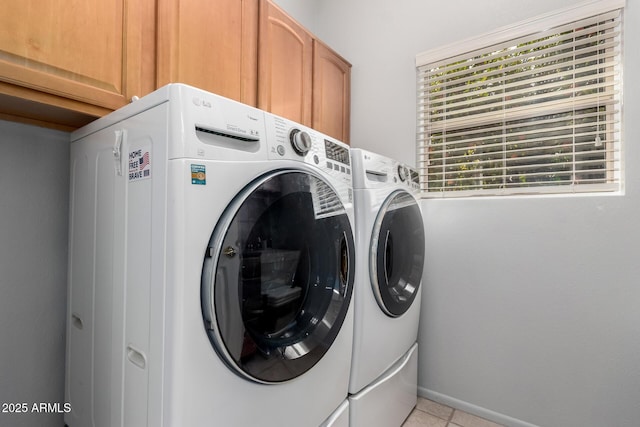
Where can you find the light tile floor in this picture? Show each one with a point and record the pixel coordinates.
(432, 414)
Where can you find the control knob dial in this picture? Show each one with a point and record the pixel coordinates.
(403, 173)
(300, 141)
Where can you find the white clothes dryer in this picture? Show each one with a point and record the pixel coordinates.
(211, 268)
(390, 247)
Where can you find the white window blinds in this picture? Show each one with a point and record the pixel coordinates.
(539, 113)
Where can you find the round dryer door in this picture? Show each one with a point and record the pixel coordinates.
(278, 276)
(397, 253)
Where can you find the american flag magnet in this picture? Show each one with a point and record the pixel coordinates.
(139, 164)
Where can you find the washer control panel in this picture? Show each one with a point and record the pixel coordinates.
(289, 140)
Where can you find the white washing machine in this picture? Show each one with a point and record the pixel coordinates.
(390, 247)
(211, 268)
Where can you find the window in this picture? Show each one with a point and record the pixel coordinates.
(534, 113)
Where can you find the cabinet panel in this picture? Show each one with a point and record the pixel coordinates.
(285, 65)
(331, 92)
(94, 52)
(65, 62)
(210, 44)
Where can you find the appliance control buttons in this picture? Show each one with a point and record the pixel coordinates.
(300, 141)
(338, 168)
(280, 149)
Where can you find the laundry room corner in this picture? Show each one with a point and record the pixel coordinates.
(175, 255)
(34, 192)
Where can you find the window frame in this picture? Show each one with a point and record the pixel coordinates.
(501, 39)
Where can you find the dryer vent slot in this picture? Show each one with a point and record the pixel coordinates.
(376, 176)
(228, 139)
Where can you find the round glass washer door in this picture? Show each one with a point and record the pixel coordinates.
(397, 253)
(278, 276)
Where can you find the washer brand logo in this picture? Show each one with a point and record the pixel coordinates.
(139, 164)
(201, 103)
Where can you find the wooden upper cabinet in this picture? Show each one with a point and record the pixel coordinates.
(64, 63)
(331, 92)
(285, 65)
(209, 44)
(88, 56)
(299, 77)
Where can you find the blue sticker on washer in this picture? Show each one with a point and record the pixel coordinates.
(198, 174)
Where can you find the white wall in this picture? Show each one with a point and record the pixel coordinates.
(34, 194)
(531, 306)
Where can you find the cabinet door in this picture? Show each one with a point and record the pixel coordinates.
(285, 65)
(331, 92)
(209, 44)
(77, 54)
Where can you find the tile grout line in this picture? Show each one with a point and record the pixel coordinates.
(451, 417)
(448, 420)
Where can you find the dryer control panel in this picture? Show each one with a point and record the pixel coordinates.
(372, 170)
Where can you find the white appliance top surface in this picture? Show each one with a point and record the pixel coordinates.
(202, 125)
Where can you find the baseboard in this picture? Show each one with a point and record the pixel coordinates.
(472, 409)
